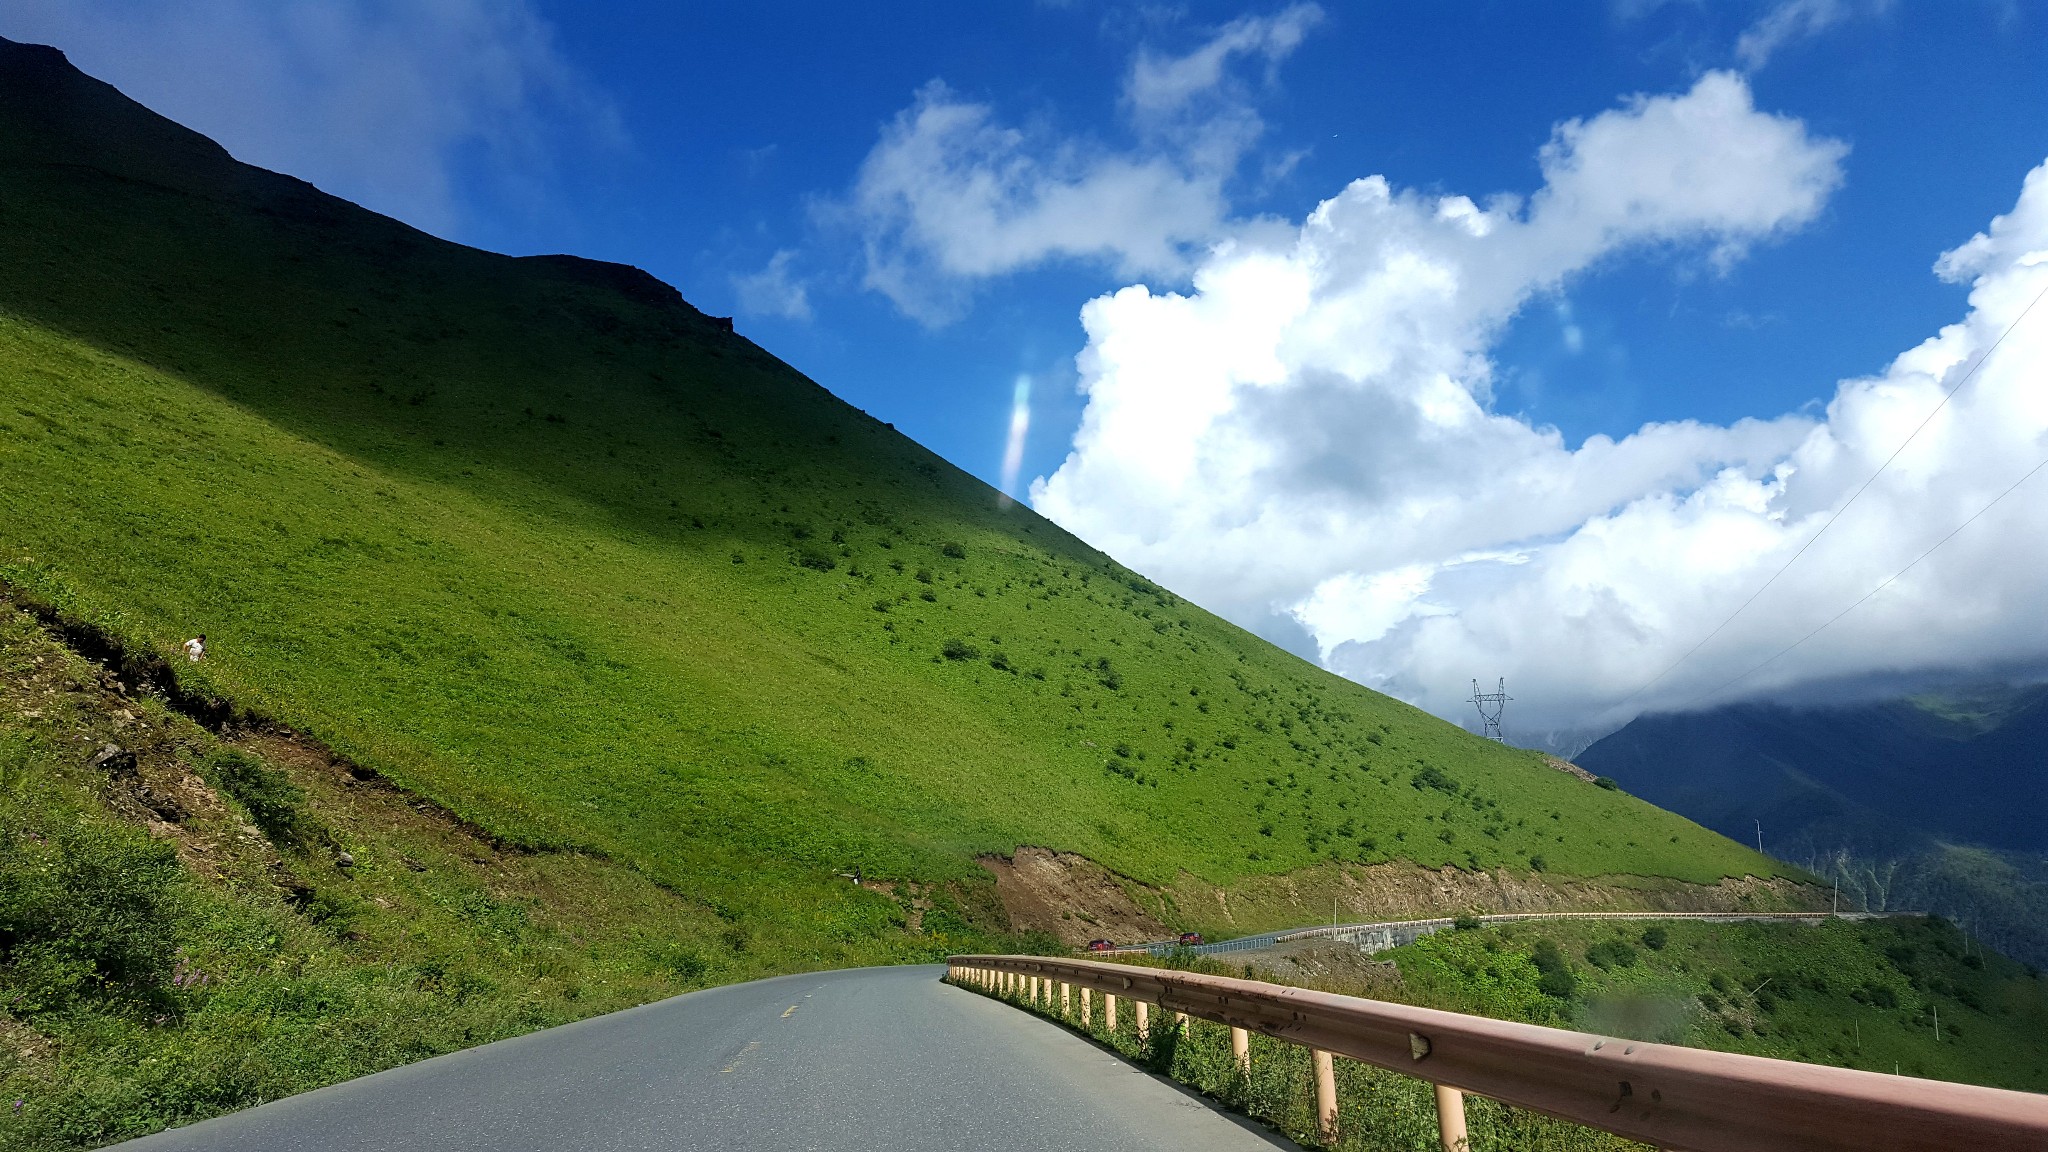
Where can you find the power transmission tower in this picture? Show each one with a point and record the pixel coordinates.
(1491, 705)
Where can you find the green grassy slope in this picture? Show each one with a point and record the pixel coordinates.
(182, 938)
(537, 540)
(1856, 995)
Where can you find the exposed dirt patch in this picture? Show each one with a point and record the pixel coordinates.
(23, 1043)
(1070, 896)
(1570, 768)
(1078, 900)
(1402, 891)
(915, 899)
(1332, 968)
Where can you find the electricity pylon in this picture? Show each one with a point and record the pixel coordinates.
(1491, 705)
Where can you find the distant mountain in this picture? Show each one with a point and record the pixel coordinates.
(1884, 777)
(1937, 802)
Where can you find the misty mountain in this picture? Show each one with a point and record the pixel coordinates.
(1877, 778)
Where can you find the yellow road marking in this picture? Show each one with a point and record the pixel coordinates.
(792, 1008)
(742, 1056)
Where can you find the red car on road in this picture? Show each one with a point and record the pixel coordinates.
(1187, 938)
(1100, 945)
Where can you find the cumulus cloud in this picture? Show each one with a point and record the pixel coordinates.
(951, 195)
(374, 100)
(1305, 438)
(774, 290)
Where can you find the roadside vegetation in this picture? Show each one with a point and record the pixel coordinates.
(1849, 994)
(195, 924)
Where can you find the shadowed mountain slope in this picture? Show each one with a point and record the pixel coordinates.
(1877, 777)
(539, 541)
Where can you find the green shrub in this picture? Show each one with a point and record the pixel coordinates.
(1608, 783)
(1554, 972)
(957, 649)
(93, 908)
(1655, 937)
(271, 800)
(952, 551)
(1433, 777)
(1466, 923)
(1611, 954)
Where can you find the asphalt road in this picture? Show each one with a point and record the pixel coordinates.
(873, 1058)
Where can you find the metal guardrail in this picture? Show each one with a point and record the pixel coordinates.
(1673, 1098)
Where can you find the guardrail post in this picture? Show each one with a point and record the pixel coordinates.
(1450, 1119)
(1066, 999)
(1180, 1023)
(1109, 1011)
(1326, 1095)
(1034, 991)
(1241, 1050)
(1087, 1009)
(1144, 1020)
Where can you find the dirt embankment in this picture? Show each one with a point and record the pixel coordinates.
(1399, 891)
(1070, 896)
(1078, 900)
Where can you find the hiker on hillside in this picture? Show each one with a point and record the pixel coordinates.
(195, 648)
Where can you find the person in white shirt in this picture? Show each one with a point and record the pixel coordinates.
(195, 648)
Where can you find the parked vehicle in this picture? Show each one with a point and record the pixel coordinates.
(1189, 938)
(1100, 945)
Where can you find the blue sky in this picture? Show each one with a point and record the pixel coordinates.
(813, 169)
(739, 124)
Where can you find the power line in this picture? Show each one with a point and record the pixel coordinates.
(1837, 515)
(1888, 582)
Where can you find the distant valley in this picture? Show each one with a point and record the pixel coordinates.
(1934, 801)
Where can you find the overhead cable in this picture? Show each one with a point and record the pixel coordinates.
(1837, 514)
(1888, 581)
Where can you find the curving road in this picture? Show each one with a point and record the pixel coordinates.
(871, 1058)
(1381, 935)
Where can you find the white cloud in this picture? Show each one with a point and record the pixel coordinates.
(1791, 20)
(1306, 434)
(773, 291)
(372, 100)
(951, 196)
(1162, 84)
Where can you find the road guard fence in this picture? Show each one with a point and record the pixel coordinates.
(1672, 1098)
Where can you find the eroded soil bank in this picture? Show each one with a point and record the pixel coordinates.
(1078, 900)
